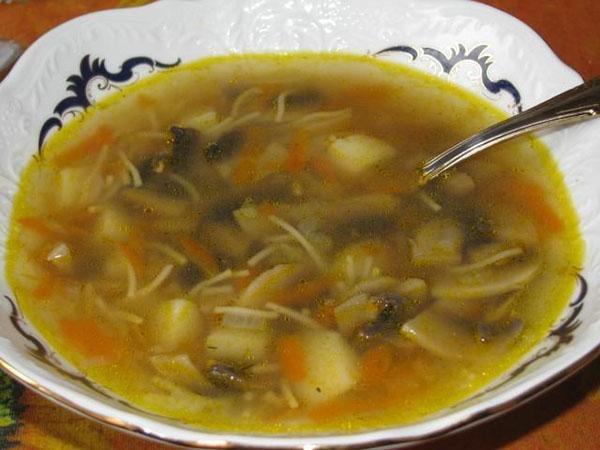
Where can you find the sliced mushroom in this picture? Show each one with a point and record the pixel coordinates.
(441, 335)
(151, 202)
(500, 332)
(513, 227)
(185, 144)
(269, 283)
(485, 309)
(355, 312)
(453, 338)
(225, 146)
(391, 308)
(485, 283)
(226, 377)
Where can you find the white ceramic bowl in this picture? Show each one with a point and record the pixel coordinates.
(476, 46)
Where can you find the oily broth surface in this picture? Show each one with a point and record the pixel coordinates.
(415, 114)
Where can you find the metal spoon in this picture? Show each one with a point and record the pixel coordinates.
(579, 103)
(9, 53)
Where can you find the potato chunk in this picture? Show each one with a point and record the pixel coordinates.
(180, 369)
(113, 224)
(355, 153)
(438, 242)
(175, 323)
(331, 367)
(238, 345)
(78, 187)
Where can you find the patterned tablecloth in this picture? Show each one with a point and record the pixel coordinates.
(567, 417)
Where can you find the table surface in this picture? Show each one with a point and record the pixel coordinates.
(567, 417)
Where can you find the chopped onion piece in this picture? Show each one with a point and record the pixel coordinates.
(241, 311)
(429, 202)
(58, 252)
(131, 279)
(188, 187)
(264, 368)
(247, 95)
(310, 249)
(288, 395)
(294, 315)
(157, 281)
(136, 178)
(258, 257)
(280, 106)
(350, 272)
(225, 275)
(494, 259)
(169, 251)
(218, 290)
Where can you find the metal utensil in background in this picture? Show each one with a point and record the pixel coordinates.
(9, 53)
(579, 103)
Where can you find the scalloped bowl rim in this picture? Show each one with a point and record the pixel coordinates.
(525, 389)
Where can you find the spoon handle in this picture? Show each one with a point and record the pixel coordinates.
(579, 103)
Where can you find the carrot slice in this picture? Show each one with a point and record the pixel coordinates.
(39, 226)
(267, 208)
(531, 197)
(245, 172)
(91, 340)
(242, 283)
(290, 355)
(400, 382)
(298, 152)
(145, 101)
(325, 315)
(376, 364)
(302, 293)
(200, 255)
(324, 168)
(45, 287)
(89, 146)
(133, 256)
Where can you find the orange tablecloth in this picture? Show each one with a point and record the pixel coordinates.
(567, 417)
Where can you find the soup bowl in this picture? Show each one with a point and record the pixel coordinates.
(475, 46)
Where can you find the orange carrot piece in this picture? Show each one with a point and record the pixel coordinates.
(89, 146)
(45, 287)
(302, 293)
(133, 256)
(325, 315)
(87, 337)
(324, 168)
(298, 152)
(362, 403)
(398, 383)
(245, 172)
(267, 208)
(242, 283)
(81, 218)
(39, 226)
(200, 255)
(531, 197)
(145, 101)
(270, 90)
(376, 364)
(291, 357)
(333, 409)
